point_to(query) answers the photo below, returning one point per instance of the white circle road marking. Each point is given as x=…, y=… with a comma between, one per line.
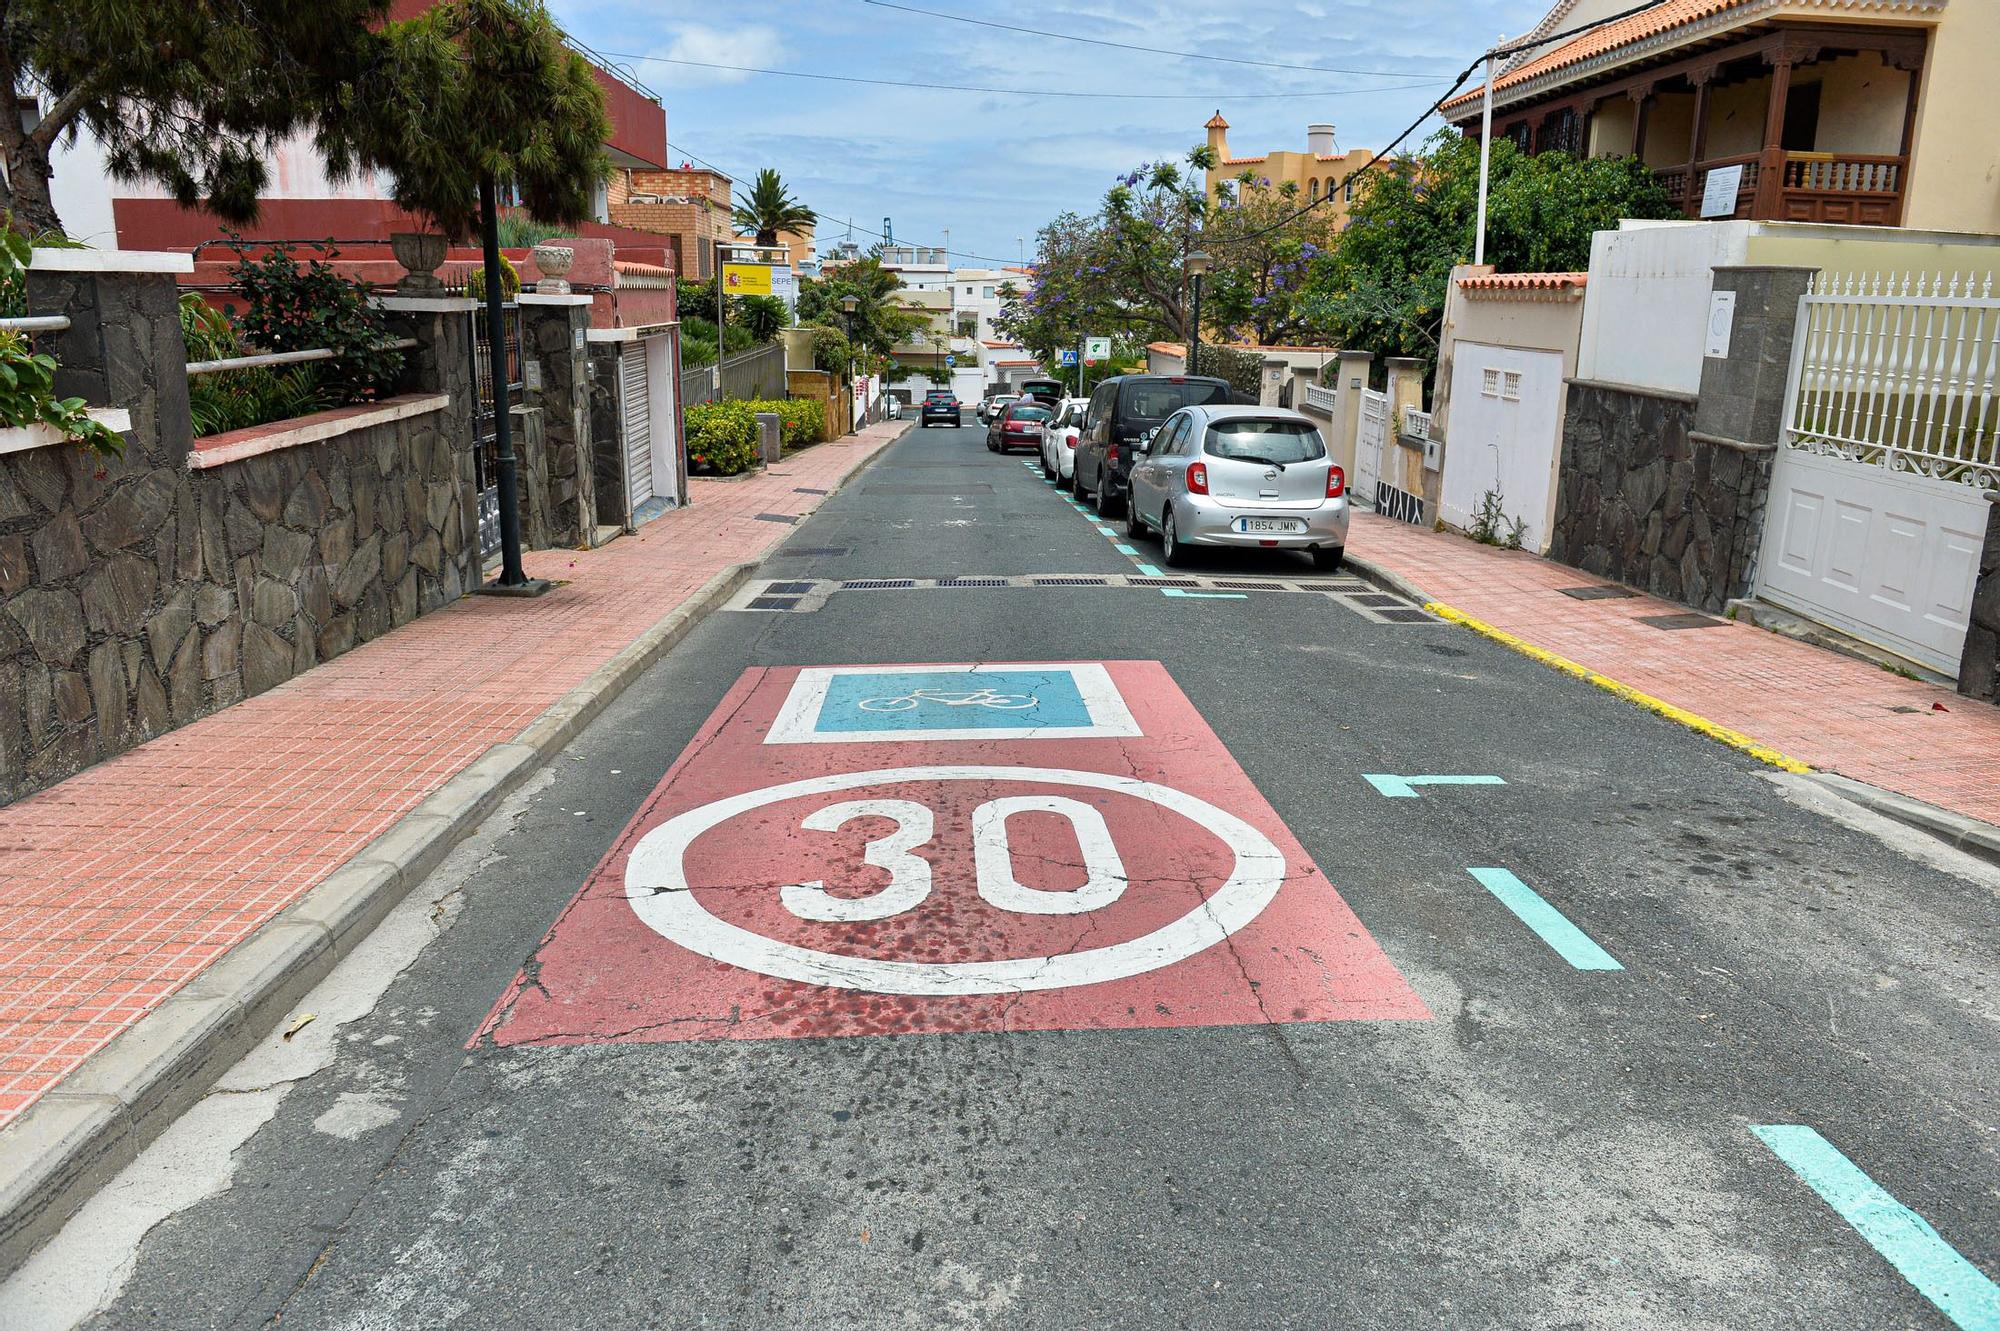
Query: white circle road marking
x=656, y=882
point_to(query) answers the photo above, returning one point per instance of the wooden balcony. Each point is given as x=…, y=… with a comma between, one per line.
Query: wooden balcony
x=1779, y=186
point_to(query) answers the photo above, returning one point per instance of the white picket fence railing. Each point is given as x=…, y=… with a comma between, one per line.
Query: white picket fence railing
x=1416, y=423
x=1320, y=399
x=1902, y=371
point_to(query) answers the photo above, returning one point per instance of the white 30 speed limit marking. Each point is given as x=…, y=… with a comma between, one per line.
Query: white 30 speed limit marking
x=656, y=882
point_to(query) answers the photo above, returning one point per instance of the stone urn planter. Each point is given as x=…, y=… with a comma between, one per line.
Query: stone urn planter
x=420, y=253
x=553, y=261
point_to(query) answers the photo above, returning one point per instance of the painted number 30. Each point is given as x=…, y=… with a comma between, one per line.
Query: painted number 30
x=992, y=858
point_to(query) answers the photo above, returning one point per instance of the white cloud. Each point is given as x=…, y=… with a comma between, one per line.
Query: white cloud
x=753, y=44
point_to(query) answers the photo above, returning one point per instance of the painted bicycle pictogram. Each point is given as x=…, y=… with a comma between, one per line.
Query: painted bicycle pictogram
x=989, y=698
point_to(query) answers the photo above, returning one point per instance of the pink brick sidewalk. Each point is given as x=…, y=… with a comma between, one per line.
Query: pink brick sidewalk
x=120, y=884
x=1839, y=714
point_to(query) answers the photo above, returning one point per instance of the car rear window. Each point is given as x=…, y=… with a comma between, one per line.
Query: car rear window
x=937, y=395
x=1152, y=402
x=1029, y=414
x=1264, y=441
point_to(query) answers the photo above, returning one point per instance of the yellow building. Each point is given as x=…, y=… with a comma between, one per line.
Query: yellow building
x=1318, y=171
x=1875, y=112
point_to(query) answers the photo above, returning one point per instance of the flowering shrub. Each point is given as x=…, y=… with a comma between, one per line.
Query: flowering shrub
x=722, y=436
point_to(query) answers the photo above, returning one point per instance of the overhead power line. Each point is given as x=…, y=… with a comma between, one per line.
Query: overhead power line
x=1019, y=92
x=1150, y=50
x=1456, y=84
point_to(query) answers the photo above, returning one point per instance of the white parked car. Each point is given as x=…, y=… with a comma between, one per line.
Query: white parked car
x=1241, y=476
x=993, y=404
x=1059, y=440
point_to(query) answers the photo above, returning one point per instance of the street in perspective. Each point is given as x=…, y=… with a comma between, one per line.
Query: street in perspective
x=990, y=711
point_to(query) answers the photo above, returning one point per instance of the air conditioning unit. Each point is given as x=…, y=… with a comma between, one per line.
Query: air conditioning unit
x=645, y=198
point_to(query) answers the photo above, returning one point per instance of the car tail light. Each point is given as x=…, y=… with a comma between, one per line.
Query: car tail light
x=1069, y=440
x=1336, y=482
x=1197, y=479
x=1111, y=455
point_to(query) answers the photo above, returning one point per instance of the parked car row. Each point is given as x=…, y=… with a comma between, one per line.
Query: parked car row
x=1182, y=461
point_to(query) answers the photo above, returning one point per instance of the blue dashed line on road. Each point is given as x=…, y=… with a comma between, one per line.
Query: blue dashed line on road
x=1150, y=571
x=1960, y=1290
x=1571, y=943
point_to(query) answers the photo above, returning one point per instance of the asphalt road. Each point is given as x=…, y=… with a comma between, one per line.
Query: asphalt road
x=1548, y=1147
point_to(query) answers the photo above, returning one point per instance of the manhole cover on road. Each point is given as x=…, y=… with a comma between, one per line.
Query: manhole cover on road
x=1381, y=601
x=1408, y=617
x=1597, y=593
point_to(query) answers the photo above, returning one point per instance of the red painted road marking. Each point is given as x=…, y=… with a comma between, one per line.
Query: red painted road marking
x=795, y=875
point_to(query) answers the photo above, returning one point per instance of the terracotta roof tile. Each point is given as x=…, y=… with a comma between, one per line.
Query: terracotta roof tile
x=1666, y=17
x=1525, y=282
x=1216, y=122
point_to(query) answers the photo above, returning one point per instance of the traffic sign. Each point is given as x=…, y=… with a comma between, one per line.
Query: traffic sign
x=1097, y=348
x=950, y=361
x=889, y=850
x=1066, y=357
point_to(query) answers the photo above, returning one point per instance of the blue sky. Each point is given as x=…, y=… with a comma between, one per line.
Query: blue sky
x=994, y=168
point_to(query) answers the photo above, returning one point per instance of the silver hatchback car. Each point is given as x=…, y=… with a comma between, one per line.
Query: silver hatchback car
x=1240, y=476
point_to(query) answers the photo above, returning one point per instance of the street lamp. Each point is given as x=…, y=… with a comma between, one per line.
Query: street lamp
x=1197, y=266
x=847, y=307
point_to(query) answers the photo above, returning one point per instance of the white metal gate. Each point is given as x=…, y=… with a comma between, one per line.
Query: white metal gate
x=1505, y=424
x=1892, y=437
x=1370, y=443
x=661, y=406
x=635, y=393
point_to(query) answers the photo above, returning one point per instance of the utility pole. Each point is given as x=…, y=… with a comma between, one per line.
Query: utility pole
x=1485, y=156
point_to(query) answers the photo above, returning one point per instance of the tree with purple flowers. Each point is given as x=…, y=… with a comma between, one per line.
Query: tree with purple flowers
x=1263, y=250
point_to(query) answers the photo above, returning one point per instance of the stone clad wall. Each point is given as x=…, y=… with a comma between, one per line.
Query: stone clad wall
x=152, y=596
x=1640, y=502
x=1979, y=667
x=137, y=595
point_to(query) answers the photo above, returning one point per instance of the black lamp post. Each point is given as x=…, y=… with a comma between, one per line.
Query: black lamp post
x=513, y=579
x=1197, y=267
x=847, y=307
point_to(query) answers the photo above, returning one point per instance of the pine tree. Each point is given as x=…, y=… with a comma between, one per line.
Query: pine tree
x=190, y=94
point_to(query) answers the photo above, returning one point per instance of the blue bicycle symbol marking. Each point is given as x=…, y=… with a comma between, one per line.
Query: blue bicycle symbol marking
x=987, y=698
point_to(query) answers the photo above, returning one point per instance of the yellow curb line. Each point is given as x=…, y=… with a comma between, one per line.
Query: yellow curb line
x=1735, y=739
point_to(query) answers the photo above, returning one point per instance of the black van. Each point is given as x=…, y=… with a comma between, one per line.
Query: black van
x=1044, y=390
x=1121, y=410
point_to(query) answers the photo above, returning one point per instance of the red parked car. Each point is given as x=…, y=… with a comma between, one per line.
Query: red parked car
x=1019, y=425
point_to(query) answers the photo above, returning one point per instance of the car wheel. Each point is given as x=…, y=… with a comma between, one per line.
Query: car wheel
x=991, y=446
x=1172, y=552
x=1135, y=526
x=1106, y=505
x=1328, y=560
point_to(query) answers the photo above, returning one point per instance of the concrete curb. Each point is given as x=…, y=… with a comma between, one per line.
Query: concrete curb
x=1388, y=581
x=1980, y=840
x=97, y=1119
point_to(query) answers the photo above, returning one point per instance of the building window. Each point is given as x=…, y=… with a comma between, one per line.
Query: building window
x=1512, y=391
x=1489, y=383
x=987, y=292
x=1312, y=188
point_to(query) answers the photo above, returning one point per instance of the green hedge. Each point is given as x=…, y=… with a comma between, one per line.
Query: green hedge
x=722, y=436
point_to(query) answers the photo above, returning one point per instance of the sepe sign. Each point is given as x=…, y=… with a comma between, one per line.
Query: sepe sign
x=746, y=279
x=891, y=850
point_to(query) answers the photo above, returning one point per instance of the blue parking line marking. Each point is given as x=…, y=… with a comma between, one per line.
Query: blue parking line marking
x=1204, y=596
x=1123, y=549
x=1933, y=1267
x=1150, y=571
x=1570, y=943
x=1404, y=787
x=1104, y=531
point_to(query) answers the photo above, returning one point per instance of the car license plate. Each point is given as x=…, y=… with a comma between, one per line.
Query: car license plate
x=1285, y=526
x=1032, y=431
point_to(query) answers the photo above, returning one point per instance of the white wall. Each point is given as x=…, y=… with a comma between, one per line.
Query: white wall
x=1645, y=311
x=81, y=191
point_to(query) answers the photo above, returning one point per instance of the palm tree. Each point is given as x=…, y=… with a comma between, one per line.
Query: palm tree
x=770, y=208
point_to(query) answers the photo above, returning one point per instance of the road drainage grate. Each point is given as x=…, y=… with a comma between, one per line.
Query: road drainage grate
x=1381, y=601
x=1163, y=582
x=774, y=602
x=1407, y=616
x=1069, y=582
x=1597, y=593
x=785, y=518
x=789, y=588
x=973, y=582
x=877, y=584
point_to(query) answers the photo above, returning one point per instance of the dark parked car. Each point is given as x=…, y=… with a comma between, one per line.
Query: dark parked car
x=941, y=405
x=1019, y=425
x=1122, y=410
